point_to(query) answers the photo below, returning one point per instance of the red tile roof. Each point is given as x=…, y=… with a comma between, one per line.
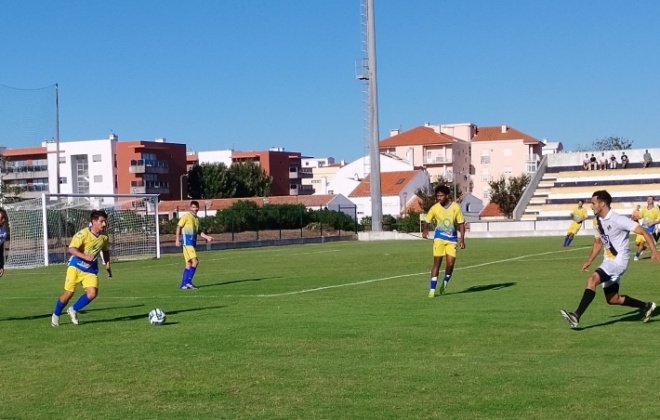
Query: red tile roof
x=309, y=201
x=391, y=183
x=491, y=210
x=416, y=136
x=495, y=134
x=25, y=151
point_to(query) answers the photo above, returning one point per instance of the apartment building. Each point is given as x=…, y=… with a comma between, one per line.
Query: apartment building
x=104, y=166
x=284, y=167
x=445, y=156
x=502, y=151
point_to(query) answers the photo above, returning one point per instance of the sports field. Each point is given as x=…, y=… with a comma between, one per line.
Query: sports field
x=335, y=331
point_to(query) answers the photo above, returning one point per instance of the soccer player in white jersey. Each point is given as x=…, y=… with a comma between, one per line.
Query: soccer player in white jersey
x=613, y=238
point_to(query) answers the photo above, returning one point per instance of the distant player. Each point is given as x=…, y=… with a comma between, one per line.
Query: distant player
x=186, y=234
x=448, y=218
x=579, y=215
x=650, y=217
x=4, y=239
x=85, y=248
x=613, y=238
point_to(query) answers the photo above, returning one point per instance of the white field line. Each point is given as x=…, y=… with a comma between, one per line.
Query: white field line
x=196, y=295
x=357, y=283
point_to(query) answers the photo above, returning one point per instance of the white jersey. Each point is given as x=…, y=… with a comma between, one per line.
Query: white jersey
x=614, y=232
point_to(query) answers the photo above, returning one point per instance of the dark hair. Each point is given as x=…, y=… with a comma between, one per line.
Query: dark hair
x=443, y=189
x=96, y=214
x=581, y=201
x=4, y=214
x=194, y=203
x=604, y=196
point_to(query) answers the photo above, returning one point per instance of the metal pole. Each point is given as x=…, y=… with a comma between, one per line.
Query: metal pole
x=57, y=139
x=181, y=186
x=374, y=152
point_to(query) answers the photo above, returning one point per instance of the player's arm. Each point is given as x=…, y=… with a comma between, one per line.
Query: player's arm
x=177, y=235
x=655, y=255
x=106, y=257
x=78, y=253
x=205, y=236
x=461, y=240
x=596, y=248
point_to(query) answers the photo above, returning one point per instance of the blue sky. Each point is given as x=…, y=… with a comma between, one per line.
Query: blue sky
x=255, y=74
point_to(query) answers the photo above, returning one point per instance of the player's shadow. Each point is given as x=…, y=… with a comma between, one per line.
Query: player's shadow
x=225, y=283
x=487, y=287
x=141, y=315
x=48, y=315
x=632, y=316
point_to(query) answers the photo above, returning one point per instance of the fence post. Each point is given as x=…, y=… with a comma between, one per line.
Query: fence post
x=321, y=221
x=257, y=220
x=301, y=226
x=340, y=220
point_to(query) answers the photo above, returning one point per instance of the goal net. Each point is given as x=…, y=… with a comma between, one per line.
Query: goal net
x=41, y=229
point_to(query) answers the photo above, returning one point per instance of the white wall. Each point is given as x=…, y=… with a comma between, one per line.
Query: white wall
x=215, y=156
x=349, y=176
x=101, y=174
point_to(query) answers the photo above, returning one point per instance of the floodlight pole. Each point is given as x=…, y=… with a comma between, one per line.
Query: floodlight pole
x=57, y=138
x=374, y=152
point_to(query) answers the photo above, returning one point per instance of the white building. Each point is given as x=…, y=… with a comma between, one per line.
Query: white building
x=349, y=176
x=85, y=167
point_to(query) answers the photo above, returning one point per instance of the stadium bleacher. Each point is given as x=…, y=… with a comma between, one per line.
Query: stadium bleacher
x=558, y=191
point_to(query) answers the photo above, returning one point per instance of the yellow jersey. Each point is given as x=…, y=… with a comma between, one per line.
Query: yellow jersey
x=649, y=215
x=446, y=221
x=189, y=229
x=89, y=244
x=579, y=214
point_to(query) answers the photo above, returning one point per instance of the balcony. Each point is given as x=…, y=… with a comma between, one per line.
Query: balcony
x=437, y=160
x=24, y=172
x=150, y=187
x=142, y=166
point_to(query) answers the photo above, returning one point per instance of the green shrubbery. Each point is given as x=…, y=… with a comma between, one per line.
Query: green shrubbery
x=248, y=216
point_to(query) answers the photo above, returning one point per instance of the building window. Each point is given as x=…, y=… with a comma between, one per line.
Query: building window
x=98, y=178
x=96, y=158
x=62, y=159
x=486, y=195
x=62, y=180
x=485, y=159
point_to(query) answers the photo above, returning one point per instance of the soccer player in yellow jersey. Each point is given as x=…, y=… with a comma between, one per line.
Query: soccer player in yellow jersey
x=650, y=217
x=186, y=236
x=579, y=215
x=85, y=248
x=448, y=218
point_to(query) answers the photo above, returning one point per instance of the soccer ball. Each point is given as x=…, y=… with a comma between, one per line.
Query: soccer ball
x=156, y=316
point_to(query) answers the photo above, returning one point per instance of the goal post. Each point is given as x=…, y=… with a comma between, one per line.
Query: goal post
x=41, y=229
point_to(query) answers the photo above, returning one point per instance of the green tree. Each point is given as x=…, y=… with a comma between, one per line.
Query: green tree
x=249, y=179
x=507, y=192
x=216, y=180
x=608, y=143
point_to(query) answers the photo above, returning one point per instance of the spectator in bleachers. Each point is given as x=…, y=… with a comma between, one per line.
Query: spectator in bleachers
x=613, y=162
x=624, y=160
x=647, y=159
x=593, y=165
x=602, y=163
x=586, y=163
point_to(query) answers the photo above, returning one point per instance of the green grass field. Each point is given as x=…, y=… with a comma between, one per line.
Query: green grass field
x=334, y=331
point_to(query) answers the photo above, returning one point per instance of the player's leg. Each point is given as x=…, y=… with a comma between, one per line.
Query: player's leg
x=191, y=272
x=438, y=253
x=641, y=245
x=67, y=294
x=187, y=256
x=614, y=298
x=90, y=283
x=573, y=318
x=450, y=252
